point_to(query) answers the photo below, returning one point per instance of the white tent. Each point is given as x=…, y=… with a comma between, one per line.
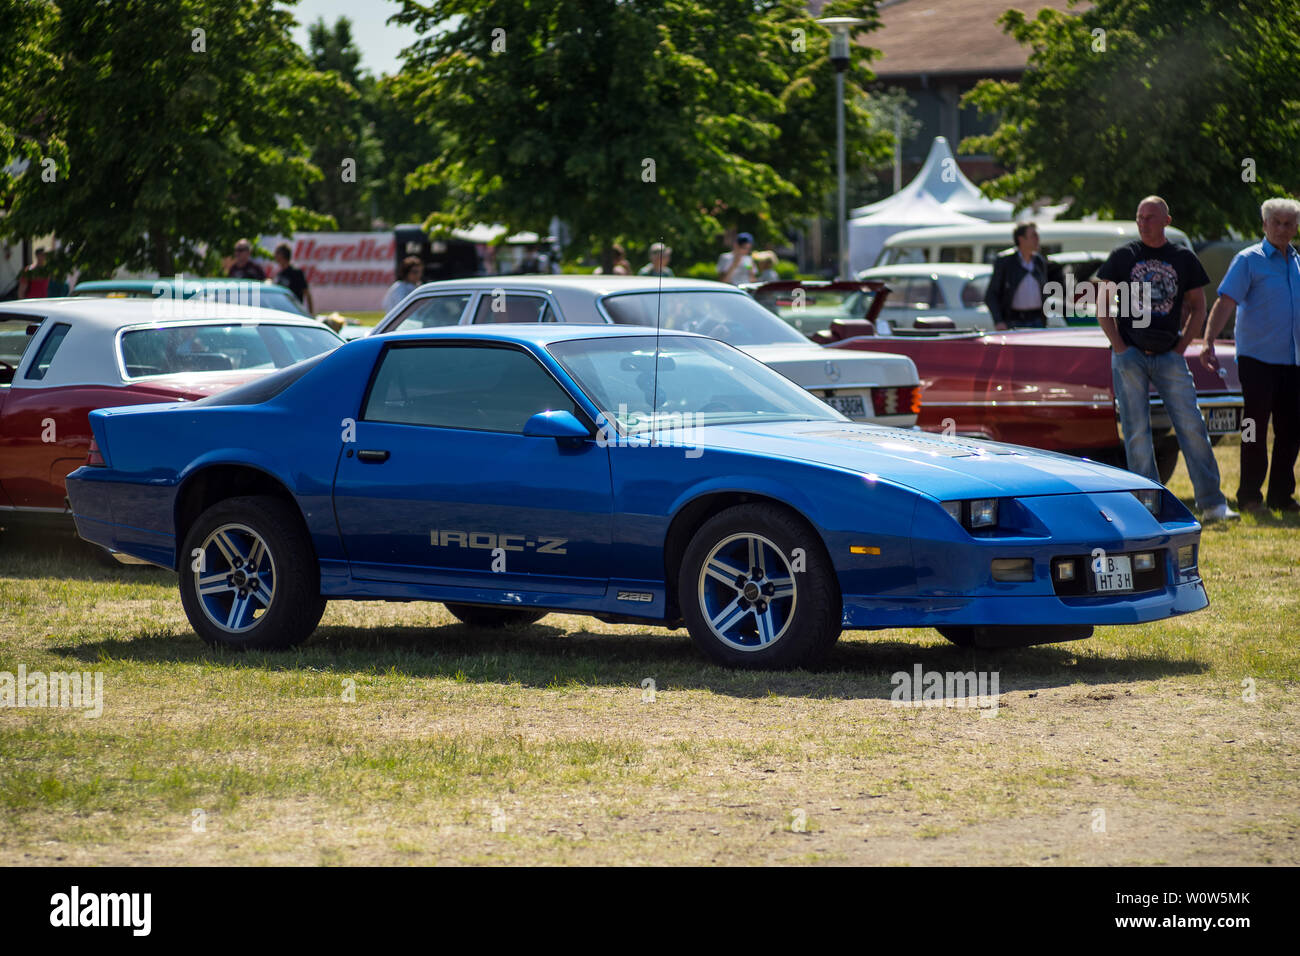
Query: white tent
x=942, y=180
x=867, y=234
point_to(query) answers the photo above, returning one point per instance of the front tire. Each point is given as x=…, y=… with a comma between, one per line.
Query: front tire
x=493, y=617
x=257, y=586
x=757, y=590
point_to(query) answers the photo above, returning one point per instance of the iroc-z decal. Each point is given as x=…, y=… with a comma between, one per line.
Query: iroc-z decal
x=490, y=541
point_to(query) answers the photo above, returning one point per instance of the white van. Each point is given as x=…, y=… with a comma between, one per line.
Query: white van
x=983, y=243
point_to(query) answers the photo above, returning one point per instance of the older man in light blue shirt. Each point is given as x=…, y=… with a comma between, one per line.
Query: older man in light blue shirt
x=1263, y=287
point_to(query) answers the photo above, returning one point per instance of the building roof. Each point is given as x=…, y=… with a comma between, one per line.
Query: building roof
x=950, y=36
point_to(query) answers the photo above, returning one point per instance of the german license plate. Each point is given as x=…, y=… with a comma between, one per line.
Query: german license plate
x=1221, y=421
x=850, y=405
x=1113, y=573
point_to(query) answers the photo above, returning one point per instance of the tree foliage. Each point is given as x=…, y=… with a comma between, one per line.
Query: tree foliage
x=629, y=119
x=171, y=138
x=1195, y=101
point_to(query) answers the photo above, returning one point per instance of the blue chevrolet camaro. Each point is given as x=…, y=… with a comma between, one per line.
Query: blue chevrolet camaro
x=508, y=471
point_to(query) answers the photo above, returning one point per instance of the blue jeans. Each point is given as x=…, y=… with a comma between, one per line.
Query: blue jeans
x=1133, y=373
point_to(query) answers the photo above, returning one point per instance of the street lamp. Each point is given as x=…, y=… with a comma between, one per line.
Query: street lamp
x=840, y=27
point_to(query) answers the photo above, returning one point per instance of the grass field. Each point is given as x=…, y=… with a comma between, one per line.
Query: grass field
x=399, y=736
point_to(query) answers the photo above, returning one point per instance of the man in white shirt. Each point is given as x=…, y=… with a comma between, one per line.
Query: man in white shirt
x=737, y=266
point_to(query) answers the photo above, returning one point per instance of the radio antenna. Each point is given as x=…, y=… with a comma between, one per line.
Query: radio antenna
x=654, y=393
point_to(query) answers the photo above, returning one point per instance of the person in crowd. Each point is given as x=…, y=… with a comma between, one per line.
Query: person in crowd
x=243, y=267
x=1015, y=291
x=765, y=267
x=621, y=265
x=1161, y=309
x=34, y=283
x=291, y=277
x=409, y=274
x=1262, y=286
x=737, y=266
x=658, y=264
x=531, y=263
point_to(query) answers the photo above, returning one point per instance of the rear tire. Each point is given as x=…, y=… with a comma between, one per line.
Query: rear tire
x=744, y=603
x=493, y=617
x=259, y=583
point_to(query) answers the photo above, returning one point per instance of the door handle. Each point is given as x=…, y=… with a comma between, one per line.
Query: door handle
x=375, y=455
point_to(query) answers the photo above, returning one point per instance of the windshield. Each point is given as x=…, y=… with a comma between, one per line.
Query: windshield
x=733, y=317
x=700, y=382
x=217, y=347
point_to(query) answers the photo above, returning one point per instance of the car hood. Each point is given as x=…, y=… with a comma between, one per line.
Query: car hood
x=944, y=467
x=815, y=367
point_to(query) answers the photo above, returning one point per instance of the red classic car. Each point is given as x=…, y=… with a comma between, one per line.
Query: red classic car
x=61, y=358
x=1047, y=388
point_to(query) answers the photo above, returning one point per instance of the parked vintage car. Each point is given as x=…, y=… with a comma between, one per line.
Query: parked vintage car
x=882, y=390
x=61, y=358
x=661, y=478
x=1047, y=388
x=917, y=294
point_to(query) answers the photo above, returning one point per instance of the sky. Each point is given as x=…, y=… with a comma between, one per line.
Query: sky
x=379, y=42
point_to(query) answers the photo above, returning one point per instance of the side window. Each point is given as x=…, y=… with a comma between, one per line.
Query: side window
x=454, y=386
x=956, y=254
x=972, y=293
x=915, y=293
x=495, y=306
x=14, y=341
x=41, y=361
x=432, y=311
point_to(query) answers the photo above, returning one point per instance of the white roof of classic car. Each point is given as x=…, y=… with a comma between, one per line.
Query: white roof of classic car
x=88, y=354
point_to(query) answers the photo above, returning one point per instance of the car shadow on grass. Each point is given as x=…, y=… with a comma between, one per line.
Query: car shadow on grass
x=547, y=656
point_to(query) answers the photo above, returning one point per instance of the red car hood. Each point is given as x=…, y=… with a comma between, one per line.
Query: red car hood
x=191, y=386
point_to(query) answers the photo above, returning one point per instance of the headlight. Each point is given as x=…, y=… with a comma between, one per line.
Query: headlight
x=1150, y=498
x=979, y=513
x=983, y=512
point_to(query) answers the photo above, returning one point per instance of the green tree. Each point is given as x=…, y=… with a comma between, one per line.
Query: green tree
x=343, y=145
x=27, y=137
x=1195, y=101
x=183, y=127
x=636, y=119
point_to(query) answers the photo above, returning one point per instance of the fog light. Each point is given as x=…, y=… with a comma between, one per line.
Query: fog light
x=983, y=512
x=1065, y=570
x=1144, y=562
x=1150, y=498
x=1013, y=569
x=1186, y=557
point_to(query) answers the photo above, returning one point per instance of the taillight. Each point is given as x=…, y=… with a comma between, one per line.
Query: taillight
x=93, y=457
x=896, y=401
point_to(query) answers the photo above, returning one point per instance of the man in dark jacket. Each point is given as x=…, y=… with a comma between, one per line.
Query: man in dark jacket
x=1015, y=292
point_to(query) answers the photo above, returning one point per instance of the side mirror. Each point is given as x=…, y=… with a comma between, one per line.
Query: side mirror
x=555, y=424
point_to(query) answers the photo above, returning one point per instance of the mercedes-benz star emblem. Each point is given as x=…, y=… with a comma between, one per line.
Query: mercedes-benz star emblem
x=832, y=371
